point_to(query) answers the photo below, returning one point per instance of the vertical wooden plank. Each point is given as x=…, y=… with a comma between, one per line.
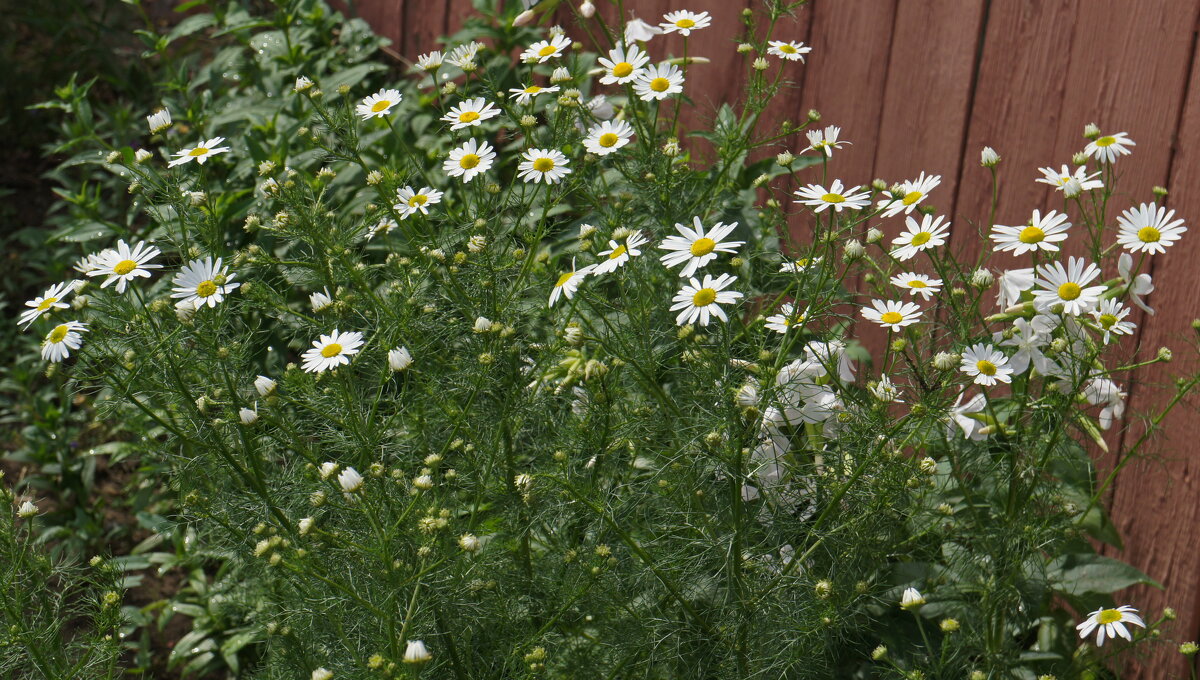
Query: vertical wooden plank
x=424, y=23
x=387, y=18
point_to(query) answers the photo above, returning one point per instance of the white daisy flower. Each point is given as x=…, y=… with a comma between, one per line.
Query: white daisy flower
x=1110, y=623
x=791, y=50
x=469, y=160
x=824, y=140
x=158, y=121
x=464, y=54
x=960, y=415
x=1042, y=233
x=930, y=233
x=699, y=301
x=684, y=22
x=918, y=284
x=122, y=264
x=1028, y=338
x=1099, y=391
x=892, y=314
x=524, y=95
x=986, y=364
x=331, y=351
x=1137, y=286
x=1013, y=282
x=90, y=262
x=800, y=265
x=430, y=61
x=885, y=390
x=623, y=64
x=637, y=30
x=696, y=247
x=607, y=137
x=1067, y=286
x=350, y=480
x=320, y=300
x=658, y=82
x=543, y=165
x=832, y=355
x=47, y=302
x=264, y=385
x=569, y=282
x=618, y=254
x=302, y=84
x=788, y=316
x=911, y=598
x=379, y=104
x=912, y=192
x=470, y=112
x=203, y=282
x=410, y=202
x=1107, y=148
x=61, y=340
x=1111, y=318
x=382, y=228
x=199, y=153
x=837, y=197
x=543, y=50
x=1148, y=229
x=416, y=652
x=399, y=359
x=1079, y=180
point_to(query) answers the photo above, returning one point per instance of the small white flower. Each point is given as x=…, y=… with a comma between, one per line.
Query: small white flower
x=423, y=482
x=306, y=525
x=383, y=227
x=430, y=61
x=791, y=50
x=1061, y=178
x=618, y=254
x=701, y=300
x=1067, y=286
x=1110, y=623
x=248, y=416
x=1013, y=282
x=469, y=113
x=1028, y=338
x=637, y=30
x=832, y=356
x=350, y=480
x=912, y=193
x=658, y=82
x=988, y=157
x=199, y=153
x=379, y=104
x=410, y=202
x=399, y=359
x=303, y=83
x=986, y=365
x=623, y=64
x=198, y=283
x=331, y=351
x=264, y=385
x=27, y=510
x=1137, y=286
x=482, y=324
x=47, y=302
x=159, y=120
x=607, y=137
x=1042, y=233
x=124, y=264
x=543, y=165
x=1148, y=229
x=960, y=415
x=142, y=155
x=328, y=469
x=930, y=233
x=320, y=300
x=800, y=265
x=695, y=248
x=892, y=314
x=918, y=284
x=836, y=196
x=416, y=652
x=469, y=542
x=912, y=599
x=469, y=160
x=464, y=54
x=61, y=340
x=824, y=140
x=1111, y=318
x=543, y=50
x=885, y=390
x=524, y=95
x=587, y=9
x=1104, y=391
x=684, y=22
x=569, y=282
x=1107, y=148
x=322, y=674
x=787, y=318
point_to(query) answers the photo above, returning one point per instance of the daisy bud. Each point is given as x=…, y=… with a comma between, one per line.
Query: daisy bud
x=482, y=325
x=1169, y=614
x=977, y=675
x=328, y=469
x=303, y=84
x=523, y=482
x=560, y=75
x=416, y=652
x=874, y=235
x=305, y=525
x=317, y=499
x=248, y=416
x=853, y=250
x=823, y=589
x=982, y=279
x=26, y=510
x=322, y=674
x=671, y=148
x=399, y=359
x=555, y=31
x=524, y=17
x=944, y=361
x=587, y=10
x=374, y=177
x=326, y=174
x=477, y=243
x=573, y=335
x=745, y=48
x=1189, y=649
x=423, y=482
x=1159, y=191
x=879, y=652
x=1091, y=131
x=350, y=480
x=158, y=121
x=949, y=626
x=1165, y=354
x=988, y=158
x=320, y=300
x=785, y=159
x=927, y=465
x=814, y=115
x=1080, y=158
x=449, y=88
x=142, y=155
x=468, y=542
x=760, y=64
x=912, y=599
x=945, y=509
x=264, y=385
x=343, y=90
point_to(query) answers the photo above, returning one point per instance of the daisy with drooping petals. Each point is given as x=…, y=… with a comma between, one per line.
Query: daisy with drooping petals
x=1078, y=181
x=623, y=64
x=199, y=153
x=837, y=197
x=543, y=50
x=382, y=228
x=203, y=282
x=61, y=340
x=684, y=22
x=158, y=121
x=637, y=30
x=430, y=61
x=960, y=415
x=607, y=137
x=1111, y=318
x=788, y=316
x=911, y=193
x=543, y=165
x=1012, y=283
x=1028, y=338
x=331, y=351
x=618, y=254
x=799, y=265
x=379, y=104
x=409, y=202
x=986, y=364
x=1148, y=229
x=122, y=264
x=1110, y=623
x=470, y=112
x=47, y=302
x=824, y=140
x=569, y=282
x=1042, y=233
x=699, y=301
x=1102, y=391
x=892, y=314
x=791, y=50
x=918, y=284
x=524, y=95
x=658, y=82
x=1107, y=148
x=930, y=233
x=469, y=160
x=696, y=247
x=885, y=390
x=1067, y=286
x=1137, y=285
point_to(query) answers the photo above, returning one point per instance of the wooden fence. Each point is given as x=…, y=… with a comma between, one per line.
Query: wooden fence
x=924, y=85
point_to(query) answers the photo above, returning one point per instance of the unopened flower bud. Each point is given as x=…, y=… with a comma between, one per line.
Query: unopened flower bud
x=785, y=159
x=1080, y=158
x=1091, y=131
x=988, y=158
x=759, y=64
x=745, y=48
x=982, y=278
x=853, y=250
x=874, y=235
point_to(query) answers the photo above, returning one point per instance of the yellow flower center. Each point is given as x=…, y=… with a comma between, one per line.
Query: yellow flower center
x=985, y=367
x=380, y=105
x=418, y=199
x=802, y=262
x=891, y=317
x=533, y=89
x=468, y=116
x=1149, y=235
x=685, y=23
x=198, y=151
x=205, y=289
x=124, y=267
x=562, y=280
x=911, y=197
x=617, y=252
x=547, y=51
x=468, y=161
x=1031, y=235
x=608, y=139
x=543, y=164
x=917, y=283
x=56, y=336
x=1069, y=291
x=787, y=49
x=1107, y=320
x=921, y=238
x=1109, y=616
x=46, y=304
x=660, y=84
x=622, y=69
x=1103, y=142
x=833, y=198
x=703, y=246
x=704, y=297
x=331, y=350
